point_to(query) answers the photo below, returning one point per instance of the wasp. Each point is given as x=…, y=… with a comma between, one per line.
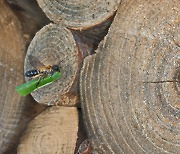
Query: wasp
x=41, y=70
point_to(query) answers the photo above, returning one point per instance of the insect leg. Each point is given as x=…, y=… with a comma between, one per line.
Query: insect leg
x=51, y=73
x=40, y=78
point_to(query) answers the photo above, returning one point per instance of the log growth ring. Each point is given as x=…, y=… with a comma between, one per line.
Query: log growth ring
x=54, y=45
x=11, y=53
x=130, y=88
x=52, y=131
x=79, y=14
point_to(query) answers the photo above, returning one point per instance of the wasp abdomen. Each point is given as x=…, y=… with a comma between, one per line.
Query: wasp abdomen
x=32, y=73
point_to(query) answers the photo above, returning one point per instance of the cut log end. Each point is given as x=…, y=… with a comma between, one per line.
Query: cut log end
x=79, y=14
x=130, y=87
x=53, y=131
x=55, y=45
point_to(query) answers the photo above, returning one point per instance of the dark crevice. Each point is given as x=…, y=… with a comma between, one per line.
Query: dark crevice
x=161, y=81
x=88, y=40
x=82, y=135
x=31, y=17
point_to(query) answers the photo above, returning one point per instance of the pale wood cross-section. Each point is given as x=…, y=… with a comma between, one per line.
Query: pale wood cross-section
x=53, y=131
x=89, y=20
x=130, y=87
x=55, y=45
x=79, y=14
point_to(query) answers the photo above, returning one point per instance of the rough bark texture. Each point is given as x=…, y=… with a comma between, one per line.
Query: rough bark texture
x=55, y=45
x=130, y=87
x=53, y=131
x=14, y=110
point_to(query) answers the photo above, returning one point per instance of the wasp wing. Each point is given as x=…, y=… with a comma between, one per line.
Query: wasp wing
x=35, y=62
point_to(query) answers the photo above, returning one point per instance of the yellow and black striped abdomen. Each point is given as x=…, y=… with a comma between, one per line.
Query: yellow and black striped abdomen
x=47, y=70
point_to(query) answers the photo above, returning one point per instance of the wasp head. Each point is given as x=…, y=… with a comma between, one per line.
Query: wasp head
x=56, y=68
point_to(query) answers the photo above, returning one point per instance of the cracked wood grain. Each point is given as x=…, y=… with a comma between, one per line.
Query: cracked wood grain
x=123, y=111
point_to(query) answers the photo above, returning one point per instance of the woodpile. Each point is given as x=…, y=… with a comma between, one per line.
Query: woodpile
x=120, y=66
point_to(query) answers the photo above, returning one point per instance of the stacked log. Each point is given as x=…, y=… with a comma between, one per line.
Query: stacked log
x=65, y=42
x=52, y=131
x=130, y=87
x=14, y=110
x=55, y=45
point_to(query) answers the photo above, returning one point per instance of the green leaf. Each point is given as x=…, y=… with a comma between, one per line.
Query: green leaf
x=30, y=86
